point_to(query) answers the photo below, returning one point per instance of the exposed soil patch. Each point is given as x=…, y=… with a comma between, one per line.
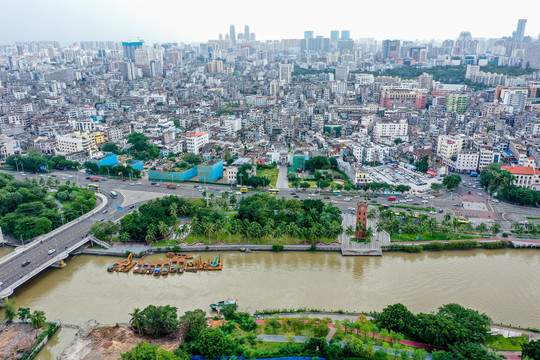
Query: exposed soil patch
x=96, y=342
x=17, y=340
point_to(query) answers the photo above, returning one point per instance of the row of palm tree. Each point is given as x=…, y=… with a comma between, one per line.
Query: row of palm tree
x=254, y=230
x=422, y=223
x=528, y=227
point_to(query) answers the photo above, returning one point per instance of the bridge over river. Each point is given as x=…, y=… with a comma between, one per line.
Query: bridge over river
x=63, y=240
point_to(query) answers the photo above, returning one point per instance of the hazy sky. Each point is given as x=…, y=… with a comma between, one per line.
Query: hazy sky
x=200, y=20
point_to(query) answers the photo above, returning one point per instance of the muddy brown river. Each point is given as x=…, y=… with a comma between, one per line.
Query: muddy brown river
x=502, y=283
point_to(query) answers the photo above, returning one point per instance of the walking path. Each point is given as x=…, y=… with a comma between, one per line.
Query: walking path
x=376, y=336
x=282, y=182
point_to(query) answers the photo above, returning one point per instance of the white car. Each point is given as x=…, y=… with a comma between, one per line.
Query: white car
x=432, y=213
x=132, y=184
x=139, y=183
x=425, y=201
x=237, y=193
x=52, y=251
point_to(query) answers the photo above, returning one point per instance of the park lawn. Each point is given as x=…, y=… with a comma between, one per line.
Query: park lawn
x=271, y=174
x=312, y=183
x=435, y=236
x=168, y=242
x=236, y=239
x=506, y=344
x=532, y=217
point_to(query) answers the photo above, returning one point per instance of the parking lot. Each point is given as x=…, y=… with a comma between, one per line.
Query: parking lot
x=399, y=175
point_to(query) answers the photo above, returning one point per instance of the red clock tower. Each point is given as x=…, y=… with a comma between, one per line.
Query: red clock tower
x=361, y=218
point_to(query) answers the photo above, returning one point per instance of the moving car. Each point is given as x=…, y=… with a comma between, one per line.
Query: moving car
x=25, y=263
x=52, y=251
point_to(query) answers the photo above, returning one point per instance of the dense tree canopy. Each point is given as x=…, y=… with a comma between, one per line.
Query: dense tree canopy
x=395, y=317
x=155, y=321
x=499, y=183
x=111, y=148
x=140, y=149
x=26, y=211
x=532, y=350
x=318, y=163
x=150, y=215
x=452, y=181
x=40, y=163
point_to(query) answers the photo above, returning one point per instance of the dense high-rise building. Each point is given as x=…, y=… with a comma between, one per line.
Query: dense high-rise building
x=127, y=69
x=342, y=72
x=156, y=67
x=129, y=48
x=246, y=33
x=308, y=35
x=345, y=35
x=532, y=55
x=334, y=34
x=425, y=81
x=232, y=34
x=520, y=31
x=390, y=49
x=285, y=73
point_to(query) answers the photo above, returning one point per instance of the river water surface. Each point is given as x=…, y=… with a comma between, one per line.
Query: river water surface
x=505, y=284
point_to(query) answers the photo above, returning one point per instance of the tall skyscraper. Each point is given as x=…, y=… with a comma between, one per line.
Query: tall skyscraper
x=390, y=49
x=246, y=33
x=232, y=33
x=285, y=73
x=308, y=35
x=334, y=34
x=127, y=69
x=129, y=48
x=345, y=34
x=520, y=32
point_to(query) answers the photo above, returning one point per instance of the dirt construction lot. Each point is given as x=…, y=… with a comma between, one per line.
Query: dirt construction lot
x=95, y=342
x=17, y=340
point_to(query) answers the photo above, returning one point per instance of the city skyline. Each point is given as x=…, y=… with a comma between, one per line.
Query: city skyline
x=168, y=21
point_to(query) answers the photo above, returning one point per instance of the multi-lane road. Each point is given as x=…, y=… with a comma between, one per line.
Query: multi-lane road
x=37, y=252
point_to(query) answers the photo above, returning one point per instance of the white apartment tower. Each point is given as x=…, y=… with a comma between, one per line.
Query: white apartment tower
x=196, y=141
x=285, y=73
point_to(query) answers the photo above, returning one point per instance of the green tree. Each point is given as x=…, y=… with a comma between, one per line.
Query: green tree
x=10, y=311
x=145, y=351
x=317, y=163
x=395, y=317
x=452, y=181
x=191, y=324
x=192, y=159
x=211, y=343
x=531, y=349
x=155, y=321
x=436, y=186
x=38, y=319
x=111, y=148
x=422, y=165
x=24, y=314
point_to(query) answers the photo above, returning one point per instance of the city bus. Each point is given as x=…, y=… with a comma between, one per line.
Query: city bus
x=273, y=191
x=93, y=187
x=244, y=190
x=464, y=222
x=336, y=192
x=114, y=195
